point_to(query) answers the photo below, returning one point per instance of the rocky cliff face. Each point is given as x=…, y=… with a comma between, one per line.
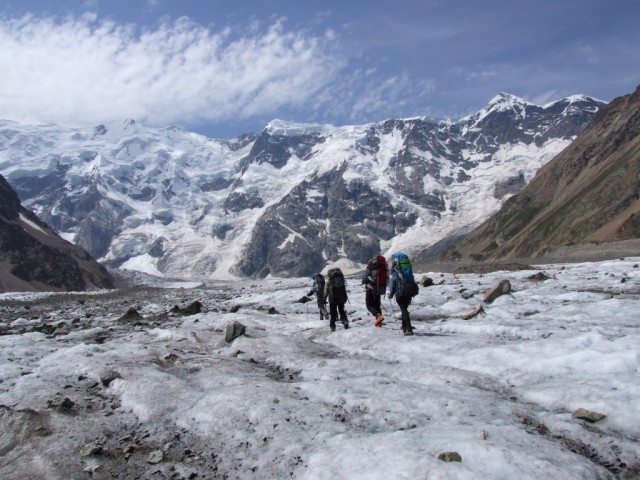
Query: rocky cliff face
x=589, y=193
x=287, y=201
x=34, y=257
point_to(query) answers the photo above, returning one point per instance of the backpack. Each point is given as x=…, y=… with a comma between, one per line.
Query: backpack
x=407, y=286
x=318, y=280
x=337, y=286
x=378, y=272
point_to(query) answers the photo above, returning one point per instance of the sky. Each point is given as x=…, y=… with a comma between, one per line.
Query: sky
x=226, y=67
x=290, y=399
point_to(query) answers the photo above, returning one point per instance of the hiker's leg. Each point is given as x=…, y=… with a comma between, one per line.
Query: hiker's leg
x=343, y=312
x=371, y=303
x=403, y=303
x=333, y=309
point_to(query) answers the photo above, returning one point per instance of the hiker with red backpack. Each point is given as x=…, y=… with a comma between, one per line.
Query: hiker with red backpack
x=403, y=286
x=335, y=290
x=374, y=279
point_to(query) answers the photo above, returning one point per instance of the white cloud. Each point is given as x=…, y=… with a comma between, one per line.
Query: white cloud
x=83, y=70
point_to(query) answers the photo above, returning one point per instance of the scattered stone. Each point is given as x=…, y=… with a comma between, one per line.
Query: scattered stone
x=64, y=406
x=155, y=457
x=538, y=277
x=235, y=309
x=503, y=288
x=92, y=468
x=233, y=331
x=92, y=448
x=131, y=315
x=61, y=329
x=273, y=311
x=192, y=308
x=466, y=294
x=130, y=448
x=473, y=312
x=482, y=434
x=108, y=377
x=450, y=457
x=426, y=281
x=588, y=415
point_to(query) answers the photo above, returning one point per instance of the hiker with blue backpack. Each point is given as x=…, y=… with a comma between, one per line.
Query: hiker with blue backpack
x=403, y=286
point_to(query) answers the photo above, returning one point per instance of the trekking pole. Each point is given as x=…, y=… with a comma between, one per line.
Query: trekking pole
x=392, y=312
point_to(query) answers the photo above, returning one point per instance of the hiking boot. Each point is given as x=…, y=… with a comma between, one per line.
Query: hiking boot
x=345, y=324
x=379, y=319
x=333, y=329
x=408, y=332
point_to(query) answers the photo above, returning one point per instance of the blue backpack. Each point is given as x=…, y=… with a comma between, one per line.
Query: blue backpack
x=407, y=286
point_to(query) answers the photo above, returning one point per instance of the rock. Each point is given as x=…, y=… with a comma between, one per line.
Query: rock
x=92, y=448
x=91, y=469
x=538, y=277
x=131, y=315
x=426, y=281
x=235, y=308
x=473, y=312
x=304, y=299
x=273, y=311
x=130, y=448
x=192, y=309
x=108, y=377
x=482, y=434
x=233, y=331
x=588, y=415
x=64, y=406
x=450, y=457
x=155, y=457
x=503, y=288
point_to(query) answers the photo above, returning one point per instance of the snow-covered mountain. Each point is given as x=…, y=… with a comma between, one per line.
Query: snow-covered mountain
x=287, y=201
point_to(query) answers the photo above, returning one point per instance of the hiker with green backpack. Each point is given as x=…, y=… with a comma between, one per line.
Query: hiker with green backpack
x=403, y=286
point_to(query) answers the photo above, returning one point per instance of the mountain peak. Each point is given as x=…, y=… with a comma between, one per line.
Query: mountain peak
x=505, y=100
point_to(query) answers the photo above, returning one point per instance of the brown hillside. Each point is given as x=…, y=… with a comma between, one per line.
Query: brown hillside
x=589, y=193
x=34, y=258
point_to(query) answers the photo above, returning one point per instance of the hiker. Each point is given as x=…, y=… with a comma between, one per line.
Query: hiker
x=403, y=286
x=317, y=289
x=374, y=279
x=335, y=290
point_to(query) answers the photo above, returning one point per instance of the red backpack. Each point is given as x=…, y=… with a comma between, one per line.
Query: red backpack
x=378, y=268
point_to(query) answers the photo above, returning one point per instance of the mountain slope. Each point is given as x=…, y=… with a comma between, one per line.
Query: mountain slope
x=589, y=193
x=287, y=201
x=34, y=257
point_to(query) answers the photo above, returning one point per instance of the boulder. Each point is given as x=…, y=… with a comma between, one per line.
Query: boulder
x=503, y=288
x=233, y=331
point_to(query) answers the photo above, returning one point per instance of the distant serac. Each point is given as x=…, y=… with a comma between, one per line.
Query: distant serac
x=289, y=200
